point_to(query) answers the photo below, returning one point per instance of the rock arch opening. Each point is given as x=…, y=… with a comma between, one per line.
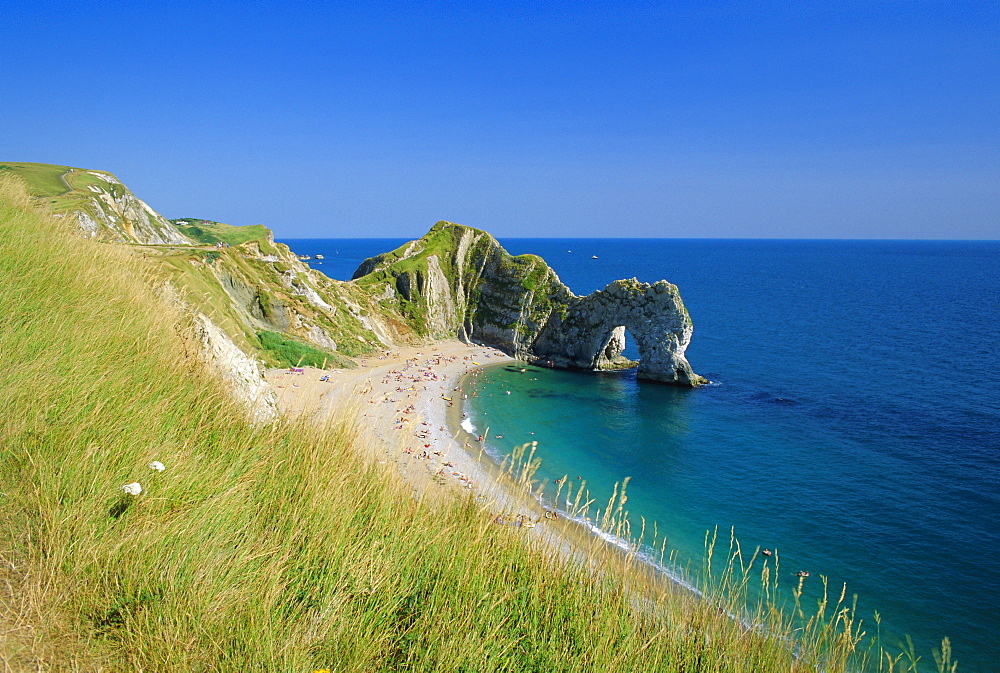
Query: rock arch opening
x=619, y=350
x=590, y=332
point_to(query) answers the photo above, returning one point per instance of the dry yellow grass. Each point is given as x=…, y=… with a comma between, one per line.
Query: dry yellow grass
x=273, y=548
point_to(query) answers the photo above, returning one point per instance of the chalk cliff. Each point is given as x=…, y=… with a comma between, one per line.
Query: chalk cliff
x=459, y=281
x=455, y=281
x=97, y=201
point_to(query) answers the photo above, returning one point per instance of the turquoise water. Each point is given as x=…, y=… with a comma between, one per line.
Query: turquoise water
x=853, y=424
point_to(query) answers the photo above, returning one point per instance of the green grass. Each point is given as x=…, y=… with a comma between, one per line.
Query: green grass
x=207, y=232
x=285, y=547
x=62, y=188
x=42, y=180
x=291, y=353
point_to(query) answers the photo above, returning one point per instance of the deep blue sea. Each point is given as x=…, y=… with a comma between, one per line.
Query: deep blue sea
x=853, y=424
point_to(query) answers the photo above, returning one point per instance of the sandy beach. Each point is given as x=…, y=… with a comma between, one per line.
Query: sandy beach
x=406, y=404
x=404, y=400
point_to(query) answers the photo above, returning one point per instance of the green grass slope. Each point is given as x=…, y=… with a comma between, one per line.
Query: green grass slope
x=103, y=206
x=274, y=548
x=203, y=277
x=207, y=232
x=60, y=188
x=41, y=179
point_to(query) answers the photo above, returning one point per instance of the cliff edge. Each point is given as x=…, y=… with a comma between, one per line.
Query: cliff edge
x=101, y=205
x=454, y=282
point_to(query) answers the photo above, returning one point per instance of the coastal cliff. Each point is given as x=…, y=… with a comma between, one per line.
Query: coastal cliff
x=149, y=524
x=454, y=282
x=257, y=291
x=459, y=281
x=99, y=204
x=270, y=302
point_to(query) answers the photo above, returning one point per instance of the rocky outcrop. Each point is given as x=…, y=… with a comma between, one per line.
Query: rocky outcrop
x=111, y=212
x=459, y=281
x=590, y=333
x=271, y=289
x=97, y=202
x=455, y=281
x=241, y=372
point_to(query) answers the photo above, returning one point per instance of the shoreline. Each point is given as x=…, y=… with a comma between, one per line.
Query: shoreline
x=410, y=390
x=402, y=399
x=407, y=402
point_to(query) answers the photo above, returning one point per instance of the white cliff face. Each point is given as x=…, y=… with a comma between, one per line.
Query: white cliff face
x=610, y=357
x=115, y=213
x=441, y=320
x=242, y=374
x=88, y=226
x=302, y=288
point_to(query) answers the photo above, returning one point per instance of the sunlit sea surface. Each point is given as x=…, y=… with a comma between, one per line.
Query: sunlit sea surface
x=853, y=423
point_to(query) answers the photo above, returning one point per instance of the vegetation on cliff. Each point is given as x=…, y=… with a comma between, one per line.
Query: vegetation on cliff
x=454, y=282
x=460, y=280
x=102, y=206
x=237, y=546
x=457, y=280
x=257, y=291
x=209, y=232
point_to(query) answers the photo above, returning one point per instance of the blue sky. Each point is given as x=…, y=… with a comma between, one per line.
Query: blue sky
x=604, y=119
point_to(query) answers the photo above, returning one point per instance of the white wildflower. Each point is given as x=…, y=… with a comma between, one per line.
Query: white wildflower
x=132, y=489
x=157, y=465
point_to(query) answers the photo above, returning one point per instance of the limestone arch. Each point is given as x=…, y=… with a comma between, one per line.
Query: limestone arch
x=611, y=355
x=589, y=335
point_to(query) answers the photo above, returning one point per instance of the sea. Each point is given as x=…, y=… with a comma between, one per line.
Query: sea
x=852, y=423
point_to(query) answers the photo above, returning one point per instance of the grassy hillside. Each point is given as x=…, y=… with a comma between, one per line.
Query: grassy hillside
x=276, y=548
x=97, y=201
x=207, y=232
x=243, y=295
x=41, y=179
x=60, y=188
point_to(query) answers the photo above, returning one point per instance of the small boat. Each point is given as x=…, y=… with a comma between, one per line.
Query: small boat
x=318, y=256
x=593, y=256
